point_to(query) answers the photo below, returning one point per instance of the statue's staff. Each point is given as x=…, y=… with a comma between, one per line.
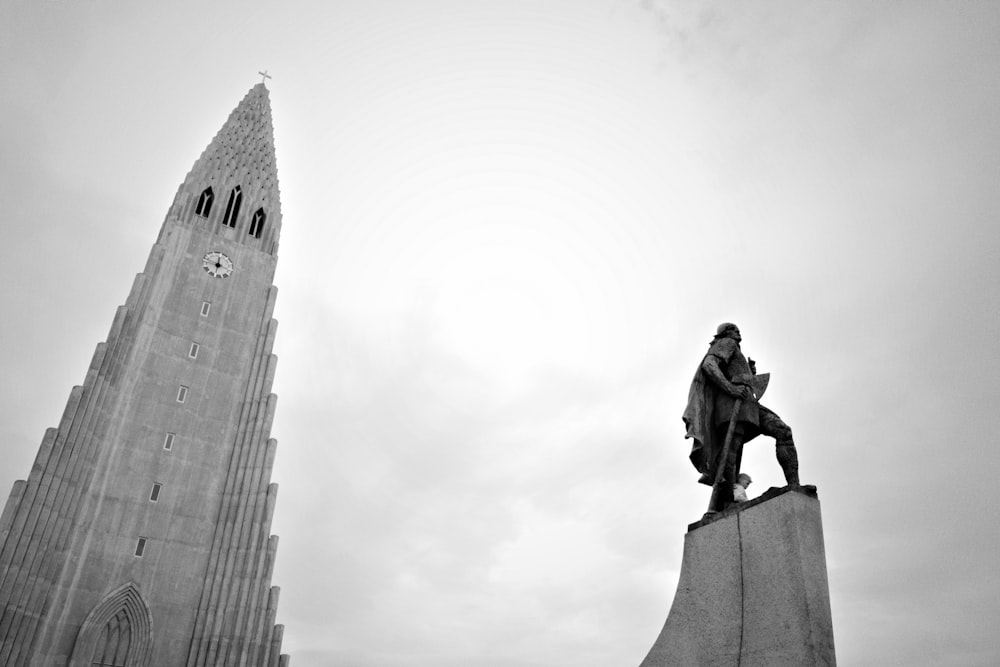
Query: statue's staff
x=757, y=385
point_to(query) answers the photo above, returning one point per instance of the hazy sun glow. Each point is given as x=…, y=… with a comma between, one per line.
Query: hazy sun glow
x=509, y=308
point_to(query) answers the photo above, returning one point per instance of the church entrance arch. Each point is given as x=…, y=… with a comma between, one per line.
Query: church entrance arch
x=118, y=632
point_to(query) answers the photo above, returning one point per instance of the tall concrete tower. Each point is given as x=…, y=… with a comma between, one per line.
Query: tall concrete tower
x=141, y=536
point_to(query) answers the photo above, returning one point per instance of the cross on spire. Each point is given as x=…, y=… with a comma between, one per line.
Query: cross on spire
x=265, y=75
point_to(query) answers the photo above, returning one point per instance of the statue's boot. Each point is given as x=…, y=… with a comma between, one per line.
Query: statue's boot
x=788, y=459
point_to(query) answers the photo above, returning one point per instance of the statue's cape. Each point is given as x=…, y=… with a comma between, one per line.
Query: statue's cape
x=699, y=417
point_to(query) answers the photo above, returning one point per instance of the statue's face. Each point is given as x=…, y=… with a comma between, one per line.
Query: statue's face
x=734, y=333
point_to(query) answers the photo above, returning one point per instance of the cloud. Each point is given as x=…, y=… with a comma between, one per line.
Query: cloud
x=509, y=233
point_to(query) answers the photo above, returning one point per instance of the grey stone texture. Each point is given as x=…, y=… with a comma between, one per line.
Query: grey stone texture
x=753, y=588
x=72, y=589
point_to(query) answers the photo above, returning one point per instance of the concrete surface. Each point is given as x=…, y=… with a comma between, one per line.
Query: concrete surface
x=753, y=588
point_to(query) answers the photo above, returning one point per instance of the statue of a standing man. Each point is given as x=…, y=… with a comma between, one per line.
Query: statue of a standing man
x=721, y=384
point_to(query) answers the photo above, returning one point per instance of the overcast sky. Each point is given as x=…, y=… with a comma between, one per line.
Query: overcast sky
x=510, y=230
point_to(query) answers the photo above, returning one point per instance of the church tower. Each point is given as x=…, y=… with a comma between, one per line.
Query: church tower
x=141, y=537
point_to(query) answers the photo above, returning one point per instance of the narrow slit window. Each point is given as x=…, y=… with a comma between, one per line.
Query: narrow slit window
x=154, y=493
x=140, y=547
x=257, y=223
x=205, y=307
x=233, y=207
x=193, y=352
x=205, y=203
x=182, y=393
x=168, y=442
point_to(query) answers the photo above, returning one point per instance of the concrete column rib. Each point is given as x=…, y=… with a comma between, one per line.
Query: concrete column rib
x=266, y=630
x=20, y=516
x=22, y=489
x=276, y=638
x=60, y=503
x=209, y=627
x=233, y=548
x=42, y=458
x=10, y=509
x=254, y=497
x=247, y=600
x=258, y=578
x=20, y=566
x=56, y=500
x=78, y=432
x=265, y=625
x=16, y=557
x=84, y=442
x=25, y=521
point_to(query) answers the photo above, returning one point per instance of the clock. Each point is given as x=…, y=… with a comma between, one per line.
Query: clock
x=217, y=265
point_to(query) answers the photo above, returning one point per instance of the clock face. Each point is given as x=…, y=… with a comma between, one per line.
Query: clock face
x=217, y=265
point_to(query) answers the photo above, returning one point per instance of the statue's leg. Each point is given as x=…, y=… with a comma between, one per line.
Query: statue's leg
x=733, y=462
x=733, y=465
x=739, y=461
x=724, y=494
x=788, y=458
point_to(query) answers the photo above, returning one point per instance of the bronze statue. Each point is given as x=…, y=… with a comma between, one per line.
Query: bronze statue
x=723, y=414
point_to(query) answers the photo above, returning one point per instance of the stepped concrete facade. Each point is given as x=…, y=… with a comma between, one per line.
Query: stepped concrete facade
x=141, y=536
x=753, y=588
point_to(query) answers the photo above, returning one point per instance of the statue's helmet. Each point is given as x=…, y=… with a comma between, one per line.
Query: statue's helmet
x=722, y=328
x=745, y=476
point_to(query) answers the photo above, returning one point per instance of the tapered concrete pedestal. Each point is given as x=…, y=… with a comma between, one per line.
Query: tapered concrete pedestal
x=753, y=588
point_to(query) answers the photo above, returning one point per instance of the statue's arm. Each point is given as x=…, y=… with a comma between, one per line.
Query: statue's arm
x=711, y=367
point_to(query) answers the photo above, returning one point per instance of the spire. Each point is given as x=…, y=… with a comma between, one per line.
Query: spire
x=241, y=155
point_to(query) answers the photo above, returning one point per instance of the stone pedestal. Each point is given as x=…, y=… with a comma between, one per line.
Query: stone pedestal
x=753, y=588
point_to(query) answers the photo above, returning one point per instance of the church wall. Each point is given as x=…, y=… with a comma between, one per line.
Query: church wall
x=68, y=535
x=181, y=524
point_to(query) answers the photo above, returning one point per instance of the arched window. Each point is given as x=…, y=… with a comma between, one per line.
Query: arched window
x=233, y=207
x=114, y=642
x=117, y=632
x=205, y=202
x=257, y=224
